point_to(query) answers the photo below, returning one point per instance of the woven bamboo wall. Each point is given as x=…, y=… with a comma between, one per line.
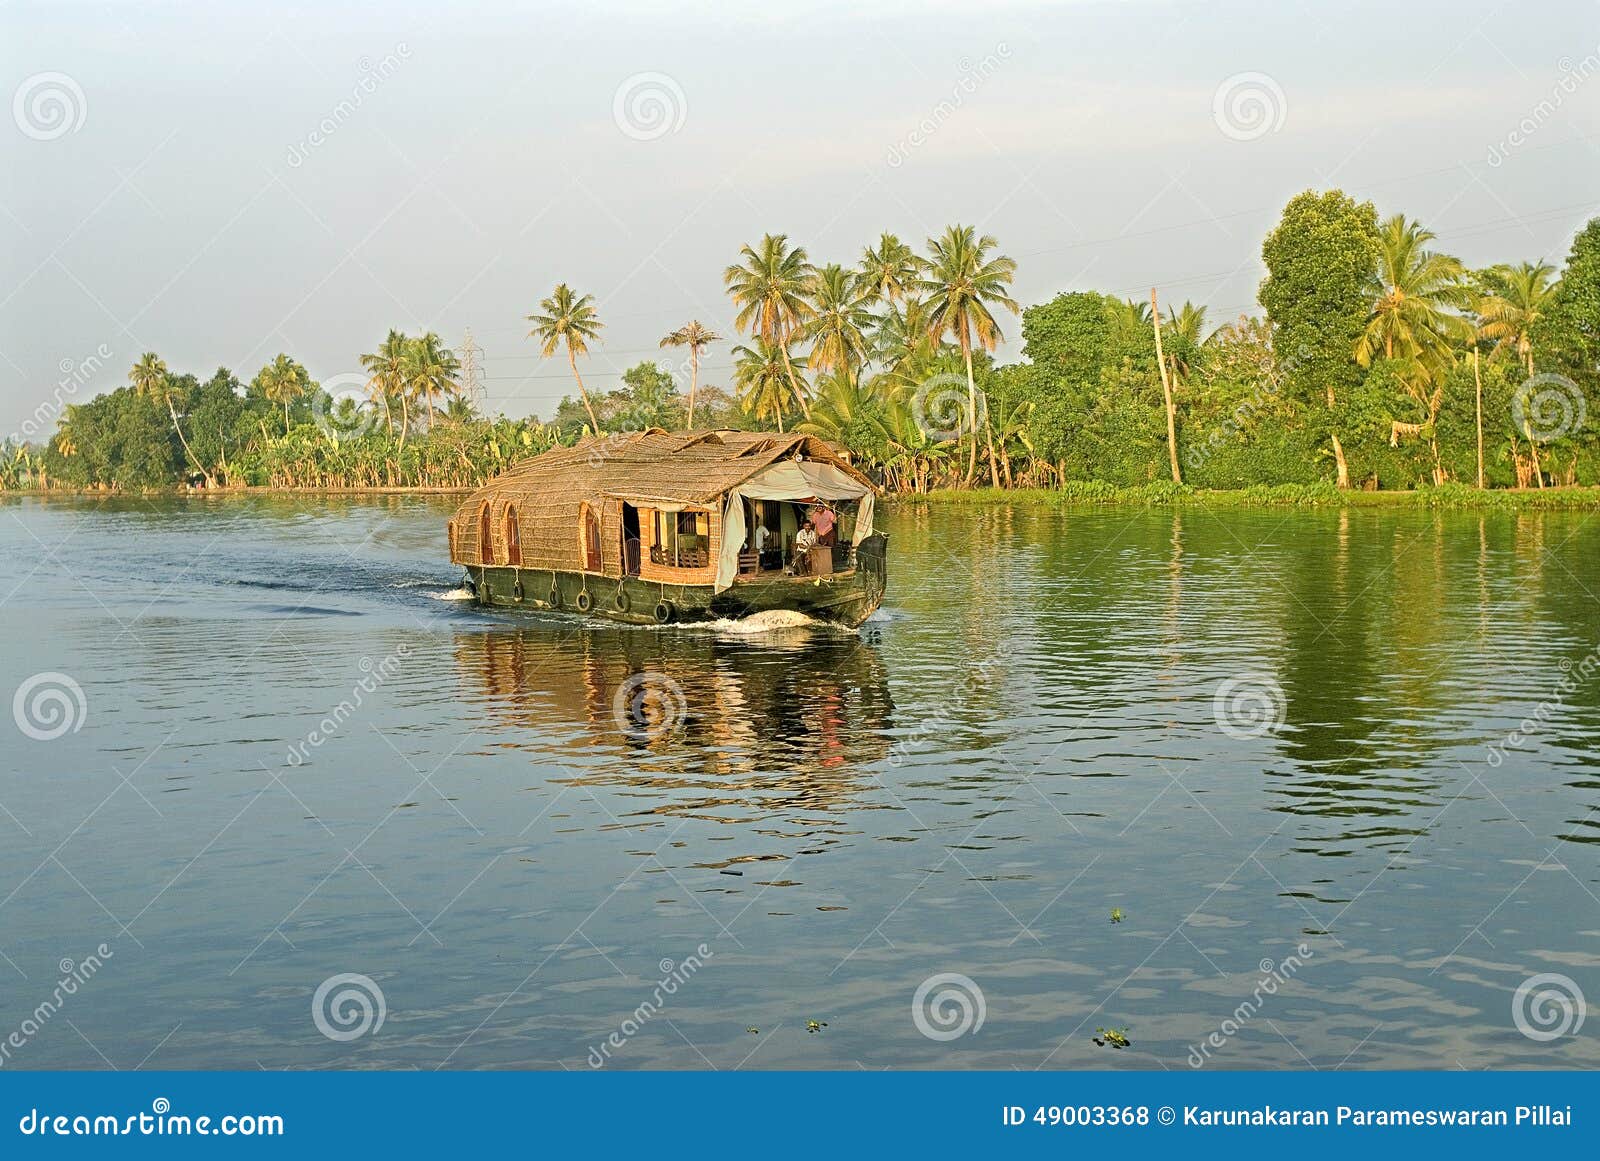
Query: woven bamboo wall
x=548, y=493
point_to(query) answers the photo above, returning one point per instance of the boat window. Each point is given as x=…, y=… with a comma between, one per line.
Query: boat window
x=591, y=539
x=683, y=539
x=513, y=537
x=485, y=536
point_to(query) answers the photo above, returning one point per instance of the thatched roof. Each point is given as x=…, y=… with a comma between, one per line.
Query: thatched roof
x=689, y=467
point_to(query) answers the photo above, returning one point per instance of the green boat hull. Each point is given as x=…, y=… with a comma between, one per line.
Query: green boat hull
x=847, y=598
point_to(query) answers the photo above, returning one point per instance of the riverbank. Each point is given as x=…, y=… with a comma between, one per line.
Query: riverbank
x=1164, y=494
x=1076, y=492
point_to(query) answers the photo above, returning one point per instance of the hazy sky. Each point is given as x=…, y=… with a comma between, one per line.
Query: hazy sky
x=219, y=182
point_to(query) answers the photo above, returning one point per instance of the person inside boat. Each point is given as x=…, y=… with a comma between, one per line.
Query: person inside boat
x=823, y=519
x=765, y=542
x=805, y=542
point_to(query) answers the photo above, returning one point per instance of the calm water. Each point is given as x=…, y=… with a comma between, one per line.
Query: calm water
x=1027, y=737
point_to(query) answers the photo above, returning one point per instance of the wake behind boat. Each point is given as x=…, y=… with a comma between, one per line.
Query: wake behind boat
x=658, y=527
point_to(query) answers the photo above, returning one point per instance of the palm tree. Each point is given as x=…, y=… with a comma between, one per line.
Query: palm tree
x=283, y=381
x=1187, y=328
x=770, y=291
x=386, y=378
x=839, y=322
x=66, y=439
x=1518, y=298
x=902, y=343
x=152, y=381
x=431, y=368
x=697, y=337
x=1416, y=292
x=842, y=404
x=763, y=375
x=962, y=281
x=569, y=319
x=889, y=273
x=460, y=410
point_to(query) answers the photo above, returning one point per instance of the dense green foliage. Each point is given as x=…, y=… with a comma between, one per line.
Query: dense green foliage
x=1366, y=372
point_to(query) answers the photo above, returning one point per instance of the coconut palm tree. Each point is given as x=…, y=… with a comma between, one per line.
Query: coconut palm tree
x=889, y=273
x=770, y=290
x=1185, y=328
x=842, y=405
x=1416, y=293
x=837, y=329
x=569, y=319
x=431, y=368
x=66, y=439
x=763, y=376
x=1519, y=296
x=386, y=378
x=902, y=343
x=151, y=380
x=961, y=282
x=697, y=337
x=283, y=381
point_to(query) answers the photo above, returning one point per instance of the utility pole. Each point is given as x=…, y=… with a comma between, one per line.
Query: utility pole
x=1166, y=391
x=1477, y=378
x=472, y=388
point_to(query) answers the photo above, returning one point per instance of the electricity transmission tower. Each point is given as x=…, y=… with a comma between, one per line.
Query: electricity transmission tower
x=472, y=388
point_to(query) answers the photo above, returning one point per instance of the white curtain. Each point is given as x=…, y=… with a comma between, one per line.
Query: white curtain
x=789, y=481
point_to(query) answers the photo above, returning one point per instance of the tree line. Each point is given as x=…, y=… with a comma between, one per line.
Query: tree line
x=1379, y=361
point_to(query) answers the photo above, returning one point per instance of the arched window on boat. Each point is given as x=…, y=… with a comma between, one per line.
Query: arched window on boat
x=513, y=537
x=591, y=539
x=485, y=536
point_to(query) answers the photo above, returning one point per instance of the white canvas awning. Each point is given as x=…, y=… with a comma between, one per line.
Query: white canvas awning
x=790, y=480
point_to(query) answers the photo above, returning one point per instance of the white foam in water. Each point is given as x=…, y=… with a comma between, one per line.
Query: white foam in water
x=461, y=594
x=769, y=621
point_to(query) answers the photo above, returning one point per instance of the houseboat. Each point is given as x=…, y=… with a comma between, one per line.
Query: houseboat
x=661, y=527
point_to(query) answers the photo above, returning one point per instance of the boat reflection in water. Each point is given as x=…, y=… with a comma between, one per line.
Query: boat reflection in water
x=720, y=725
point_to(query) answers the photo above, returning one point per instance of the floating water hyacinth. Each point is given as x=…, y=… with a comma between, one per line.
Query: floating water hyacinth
x=1112, y=1037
